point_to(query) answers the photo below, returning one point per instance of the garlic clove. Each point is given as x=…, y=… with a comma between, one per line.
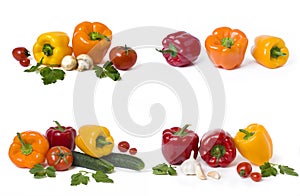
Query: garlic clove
x=214, y=174
x=199, y=172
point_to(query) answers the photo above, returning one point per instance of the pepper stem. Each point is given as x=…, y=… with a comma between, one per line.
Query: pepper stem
x=98, y=36
x=227, y=42
x=26, y=149
x=48, y=50
x=275, y=52
x=101, y=142
x=172, y=50
x=182, y=132
x=59, y=127
x=247, y=134
x=218, y=151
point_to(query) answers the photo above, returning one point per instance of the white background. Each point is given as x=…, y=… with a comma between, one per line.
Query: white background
x=254, y=94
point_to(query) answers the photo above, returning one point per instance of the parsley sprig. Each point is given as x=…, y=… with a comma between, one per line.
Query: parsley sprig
x=164, y=169
x=39, y=171
x=271, y=169
x=82, y=177
x=108, y=70
x=49, y=74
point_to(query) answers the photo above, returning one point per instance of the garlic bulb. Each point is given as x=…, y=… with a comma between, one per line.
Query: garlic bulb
x=188, y=167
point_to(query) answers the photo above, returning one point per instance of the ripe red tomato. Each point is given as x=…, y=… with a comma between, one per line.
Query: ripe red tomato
x=20, y=53
x=25, y=62
x=60, y=157
x=123, y=57
x=123, y=146
x=244, y=169
x=132, y=151
x=255, y=176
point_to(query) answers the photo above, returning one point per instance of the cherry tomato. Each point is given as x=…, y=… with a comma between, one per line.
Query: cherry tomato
x=123, y=57
x=60, y=157
x=255, y=176
x=20, y=53
x=25, y=62
x=132, y=151
x=123, y=146
x=244, y=169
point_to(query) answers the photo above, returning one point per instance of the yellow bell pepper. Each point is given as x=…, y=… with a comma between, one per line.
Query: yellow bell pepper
x=254, y=143
x=270, y=51
x=94, y=140
x=52, y=47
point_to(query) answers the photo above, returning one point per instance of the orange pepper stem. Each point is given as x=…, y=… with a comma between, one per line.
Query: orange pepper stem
x=218, y=151
x=227, y=42
x=48, y=50
x=26, y=149
x=101, y=142
x=247, y=134
x=59, y=127
x=98, y=36
x=182, y=132
x=275, y=52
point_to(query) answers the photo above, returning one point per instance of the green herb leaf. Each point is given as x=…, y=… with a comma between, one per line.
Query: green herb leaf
x=268, y=170
x=164, y=169
x=287, y=170
x=99, y=176
x=79, y=178
x=39, y=171
x=50, y=76
x=35, y=67
x=108, y=70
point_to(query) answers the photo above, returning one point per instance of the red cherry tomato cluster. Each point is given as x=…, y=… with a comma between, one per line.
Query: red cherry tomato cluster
x=21, y=54
x=244, y=169
x=124, y=146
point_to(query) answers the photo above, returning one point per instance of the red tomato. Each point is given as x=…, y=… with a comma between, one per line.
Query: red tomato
x=132, y=151
x=255, y=176
x=25, y=62
x=20, y=53
x=60, y=157
x=244, y=169
x=123, y=146
x=123, y=57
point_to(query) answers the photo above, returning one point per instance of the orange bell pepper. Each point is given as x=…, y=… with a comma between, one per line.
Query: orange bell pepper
x=270, y=51
x=254, y=143
x=92, y=38
x=226, y=47
x=28, y=149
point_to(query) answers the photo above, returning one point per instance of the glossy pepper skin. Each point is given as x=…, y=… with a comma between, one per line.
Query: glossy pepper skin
x=52, y=47
x=94, y=140
x=226, y=47
x=254, y=143
x=61, y=136
x=92, y=38
x=270, y=51
x=178, y=144
x=28, y=149
x=180, y=48
x=217, y=148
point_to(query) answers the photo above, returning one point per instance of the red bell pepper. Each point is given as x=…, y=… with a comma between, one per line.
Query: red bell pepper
x=180, y=48
x=217, y=148
x=178, y=143
x=61, y=136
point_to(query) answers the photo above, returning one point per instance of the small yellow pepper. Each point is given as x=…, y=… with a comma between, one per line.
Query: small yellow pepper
x=52, y=47
x=270, y=51
x=254, y=143
x=94, y=140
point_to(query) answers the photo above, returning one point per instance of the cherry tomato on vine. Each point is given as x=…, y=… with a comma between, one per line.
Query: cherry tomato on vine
x=123, y=146
x=25, y=62
x=20, y=53
x=244, y=169
x=255, y=176
x=123, y=57
x=60, y=157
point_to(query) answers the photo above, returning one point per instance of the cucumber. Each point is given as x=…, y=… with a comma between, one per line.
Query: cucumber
x=125, y=161
x=86, y=161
